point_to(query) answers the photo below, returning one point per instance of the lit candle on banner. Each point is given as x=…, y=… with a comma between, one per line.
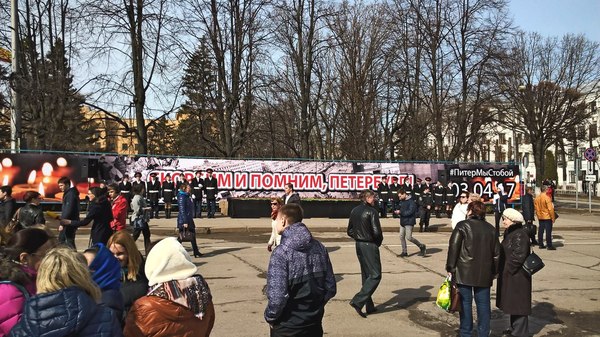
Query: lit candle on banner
x=8, y=171
x=62, y=169
x=20, y=189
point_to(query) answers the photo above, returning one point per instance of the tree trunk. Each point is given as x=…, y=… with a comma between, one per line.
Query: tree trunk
x=539, y=156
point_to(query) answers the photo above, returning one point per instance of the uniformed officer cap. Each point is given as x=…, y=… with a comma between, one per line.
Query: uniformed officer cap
x=394, y=178
x=209, y=170
x=419, y=180
x=428, y=179
x=199, y=171
x=125, y=176
x=168, y=175
x=153, y=174
x=138, y=174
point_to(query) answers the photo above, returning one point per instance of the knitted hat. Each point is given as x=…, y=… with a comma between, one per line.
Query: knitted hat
x=168, y=261
x=513, y=215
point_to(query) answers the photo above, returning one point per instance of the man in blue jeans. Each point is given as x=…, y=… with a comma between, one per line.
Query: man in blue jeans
x=473, y=258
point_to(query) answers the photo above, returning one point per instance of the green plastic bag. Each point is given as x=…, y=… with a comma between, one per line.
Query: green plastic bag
x=443, y=296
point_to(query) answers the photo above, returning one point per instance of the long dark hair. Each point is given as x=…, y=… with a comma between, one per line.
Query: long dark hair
x=99, y=194
x=28, y=240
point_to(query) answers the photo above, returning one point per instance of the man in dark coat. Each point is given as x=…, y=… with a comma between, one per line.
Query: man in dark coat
x=300, y=279
x=450, y=198
x=528, y=211
x=137, y=180
x=365, y=229
x=425, y=204
x=408, y=212
x=125, y=188
x=197, y=185
x=439, y=193
x=154, y=188
x=211, y=188
x=70, y=211
x=290, y=196
x=383, y=191
x=8, y=205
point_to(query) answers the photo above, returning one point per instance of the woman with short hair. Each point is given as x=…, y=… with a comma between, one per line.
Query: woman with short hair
x=65, y=304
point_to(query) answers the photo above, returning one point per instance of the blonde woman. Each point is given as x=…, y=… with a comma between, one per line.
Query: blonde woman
x=65, y=304
x=275, y=238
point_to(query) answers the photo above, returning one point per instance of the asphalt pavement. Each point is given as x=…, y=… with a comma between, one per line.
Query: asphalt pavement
x=565, y=293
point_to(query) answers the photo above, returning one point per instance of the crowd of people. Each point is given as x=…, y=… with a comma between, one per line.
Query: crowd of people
x=112, y=289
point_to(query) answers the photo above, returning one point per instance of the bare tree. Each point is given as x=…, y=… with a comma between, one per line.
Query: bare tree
x=546, y=83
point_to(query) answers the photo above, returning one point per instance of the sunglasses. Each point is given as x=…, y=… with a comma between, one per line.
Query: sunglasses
x=274, y=204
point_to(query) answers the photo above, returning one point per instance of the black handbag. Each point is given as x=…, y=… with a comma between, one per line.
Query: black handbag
x=186, y=235
x=533, y=263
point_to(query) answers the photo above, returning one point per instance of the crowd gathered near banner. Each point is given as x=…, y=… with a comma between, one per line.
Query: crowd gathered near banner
x=110, y=288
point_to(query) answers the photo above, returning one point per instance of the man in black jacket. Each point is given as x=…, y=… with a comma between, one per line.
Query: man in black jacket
x=197, y=185
x=408, y=211
x=365, y=229
x=383, y=190
x=290, y=196
x=211, y=188
x=70, y=211
x=528, y=211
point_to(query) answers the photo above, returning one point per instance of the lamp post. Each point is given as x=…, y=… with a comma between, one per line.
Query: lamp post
x=15, y=116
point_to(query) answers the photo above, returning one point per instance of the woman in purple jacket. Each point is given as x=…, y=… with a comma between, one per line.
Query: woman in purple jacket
x=19, y=262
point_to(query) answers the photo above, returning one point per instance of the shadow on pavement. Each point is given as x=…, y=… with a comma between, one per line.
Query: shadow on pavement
x=406, y=298
x=223, y=251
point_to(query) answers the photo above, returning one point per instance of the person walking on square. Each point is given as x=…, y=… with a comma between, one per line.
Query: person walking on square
x=275, y=238
x=473, y=258
x=290, y=196
x=100, y=212
x=544, y=210
x=394, y=188
x=300, y=279
x=119, y=208
x=425, y=205
x=528, y=211
x=154, y=190
x=365, y=229
x=168, y=194
x=459, y=213
x=197, y=184
x=211, y=188
x=70, y=211
x=513, y=292
x=450, y=199
x=383, y=191
x=408, y=212
x=125, y=188
x=140, y=216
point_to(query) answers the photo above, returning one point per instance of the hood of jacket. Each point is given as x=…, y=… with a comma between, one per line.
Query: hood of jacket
x=67, y=312
x=106, y=270
x=296, y=237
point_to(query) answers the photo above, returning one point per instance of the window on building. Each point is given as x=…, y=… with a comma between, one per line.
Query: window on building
x=593, y=130
x=502, y=138
x=571, y=177
x=570, y=155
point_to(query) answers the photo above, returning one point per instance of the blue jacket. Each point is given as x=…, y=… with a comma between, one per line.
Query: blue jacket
x=408, y=212
x=186, y=211
x=300, y=280
x=67, y=312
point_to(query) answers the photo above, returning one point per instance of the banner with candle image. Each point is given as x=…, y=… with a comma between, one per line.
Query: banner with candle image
x=252, y=178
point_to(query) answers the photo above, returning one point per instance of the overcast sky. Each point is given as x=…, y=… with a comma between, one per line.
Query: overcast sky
x=558, y=17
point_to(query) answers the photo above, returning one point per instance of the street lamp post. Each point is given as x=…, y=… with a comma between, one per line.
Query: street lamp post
x=15, y=117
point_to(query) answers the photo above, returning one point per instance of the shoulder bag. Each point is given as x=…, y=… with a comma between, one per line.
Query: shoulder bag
x=533, y=263
x=14, y=225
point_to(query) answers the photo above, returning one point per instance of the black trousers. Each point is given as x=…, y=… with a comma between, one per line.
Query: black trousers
x=145, y=230
x=425, y=216
x=194, y=244
x=370, y=269
x=311, y=331
x=67, y=236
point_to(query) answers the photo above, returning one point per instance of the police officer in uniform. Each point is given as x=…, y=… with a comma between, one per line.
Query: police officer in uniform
x=197, y=185
x=450, y=199
x=425, y=206
x=137, y=180
x=407, y=187
x=168, y=194
x=211, y=189
x=394, y=188
x=439, y=192
x=154, y=194
x=418, y=190
x=125, y=187
x=383, y=190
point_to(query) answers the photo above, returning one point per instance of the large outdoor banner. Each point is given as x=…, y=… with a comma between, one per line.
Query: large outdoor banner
x=251, y=178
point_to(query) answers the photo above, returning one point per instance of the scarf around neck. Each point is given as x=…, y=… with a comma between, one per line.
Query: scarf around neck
x=192, y=293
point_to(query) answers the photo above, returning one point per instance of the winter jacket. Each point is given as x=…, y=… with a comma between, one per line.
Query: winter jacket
x=153, y=316
x=13, y=297
x=132, y=290
x=364, y=224
x=408, y=212
x=67, y=312
x=119, y=212
x=513, y=294
x=185, y=215
x=527, y=207
x=70, y=205
x=100, y=212
x=30, y=215
x=7, y=209
x=473, y=253
x=138, y=203
x=300, y=280
x=544, y=209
